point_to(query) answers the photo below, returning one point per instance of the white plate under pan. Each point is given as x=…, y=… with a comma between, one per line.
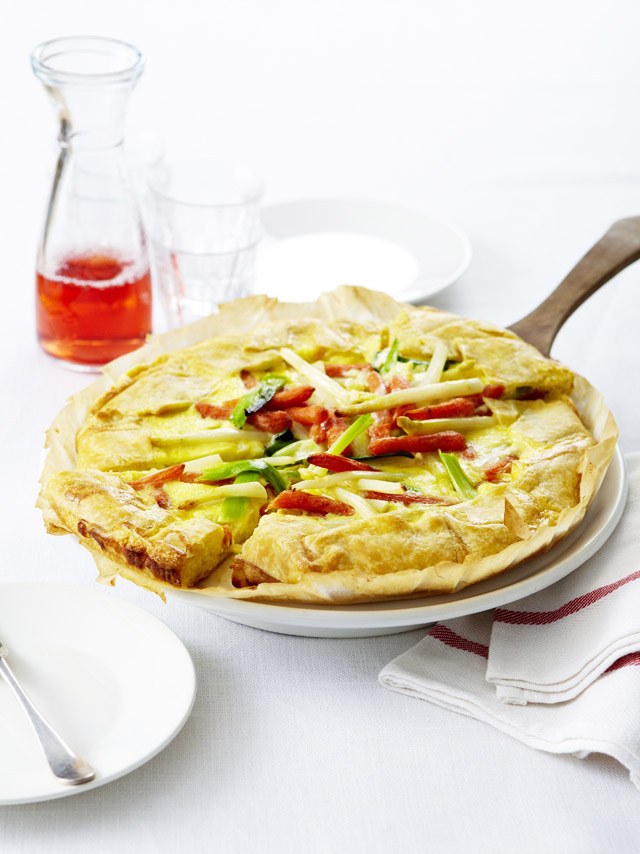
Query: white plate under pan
x=385, y=618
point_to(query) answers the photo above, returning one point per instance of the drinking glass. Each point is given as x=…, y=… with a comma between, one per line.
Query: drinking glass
x=205, y=228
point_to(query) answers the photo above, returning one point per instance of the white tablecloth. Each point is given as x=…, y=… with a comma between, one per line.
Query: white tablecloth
x=520, y=122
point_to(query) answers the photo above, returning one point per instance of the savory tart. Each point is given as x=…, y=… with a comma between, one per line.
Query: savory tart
x=351, y=450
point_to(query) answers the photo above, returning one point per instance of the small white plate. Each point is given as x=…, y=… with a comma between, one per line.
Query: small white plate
x=114, y=681
x=315, y=245
x=385, y=618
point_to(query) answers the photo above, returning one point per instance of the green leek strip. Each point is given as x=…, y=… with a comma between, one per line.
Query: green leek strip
x=437, y=425
x=460, y=481
x=353, y=431
x=255, y=399
x=300, y=450
x=333, y=393
x=234, y=509
x=361, y=505
x=344, y=476
x=416, y=394
x=259, y=467
x=436, y=366
x=392, y=357
x=279, y=442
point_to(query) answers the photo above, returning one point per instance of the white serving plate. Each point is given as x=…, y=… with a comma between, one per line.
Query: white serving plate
x=114, y=681
x=385, y=618
x=324, y=243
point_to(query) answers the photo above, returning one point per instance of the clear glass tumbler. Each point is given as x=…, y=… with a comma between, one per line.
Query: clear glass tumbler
x=93, y=285
x=204, y=234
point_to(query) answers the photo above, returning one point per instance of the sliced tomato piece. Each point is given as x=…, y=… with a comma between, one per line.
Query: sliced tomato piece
x=459, y=407
x=317, y=505
x=335, y=462
x=447, y=440
x=331, y=369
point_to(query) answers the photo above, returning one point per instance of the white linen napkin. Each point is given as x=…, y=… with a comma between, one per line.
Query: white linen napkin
x=555, y=670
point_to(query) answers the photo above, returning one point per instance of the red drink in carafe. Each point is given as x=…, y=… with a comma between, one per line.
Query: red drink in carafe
x=93, y=307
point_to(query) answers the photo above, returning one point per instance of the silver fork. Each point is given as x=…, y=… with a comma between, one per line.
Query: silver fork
x=65, y=764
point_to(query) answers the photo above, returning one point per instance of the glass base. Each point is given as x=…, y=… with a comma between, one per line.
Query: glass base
x=100, y=352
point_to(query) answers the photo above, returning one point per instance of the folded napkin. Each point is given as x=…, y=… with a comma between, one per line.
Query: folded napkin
x=556, y=669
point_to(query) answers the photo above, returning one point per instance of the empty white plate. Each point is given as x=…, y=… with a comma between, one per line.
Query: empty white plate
x=114, y=681
x=315, y=245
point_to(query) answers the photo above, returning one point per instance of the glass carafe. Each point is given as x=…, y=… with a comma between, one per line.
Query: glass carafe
x=93, y=300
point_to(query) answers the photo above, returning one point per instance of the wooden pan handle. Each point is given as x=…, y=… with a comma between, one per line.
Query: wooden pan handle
x=619, y=247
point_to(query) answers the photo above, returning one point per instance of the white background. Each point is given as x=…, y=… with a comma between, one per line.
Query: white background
x=520, y=122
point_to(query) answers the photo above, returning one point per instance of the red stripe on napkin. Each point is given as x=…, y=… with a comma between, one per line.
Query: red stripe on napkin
x=542, y=618
x=625, y=661
x=442, y=633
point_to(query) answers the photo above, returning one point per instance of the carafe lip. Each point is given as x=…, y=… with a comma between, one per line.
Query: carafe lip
x=59, y=61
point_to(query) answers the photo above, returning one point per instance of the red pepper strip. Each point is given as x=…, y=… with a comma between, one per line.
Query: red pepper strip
x=503, y=466
x=161, y=497
x=381, y=428
x=308, y=415
x=159, y=477
x=448, y=440
x=189, y=476
x=227, y=536
x=318, y=432
x=492, y=391
x=334, y=462
x=336, y=425
x=270, y=422
x=395, y=385
x=333, y=370
x=294, y=395
x=459, y=407
x=248, y=379
x=405, y=498
x=315, y=504
x=376, y=384
x=210, y=410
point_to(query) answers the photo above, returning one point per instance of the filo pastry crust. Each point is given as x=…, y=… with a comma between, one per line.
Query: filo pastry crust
x=402, y=553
